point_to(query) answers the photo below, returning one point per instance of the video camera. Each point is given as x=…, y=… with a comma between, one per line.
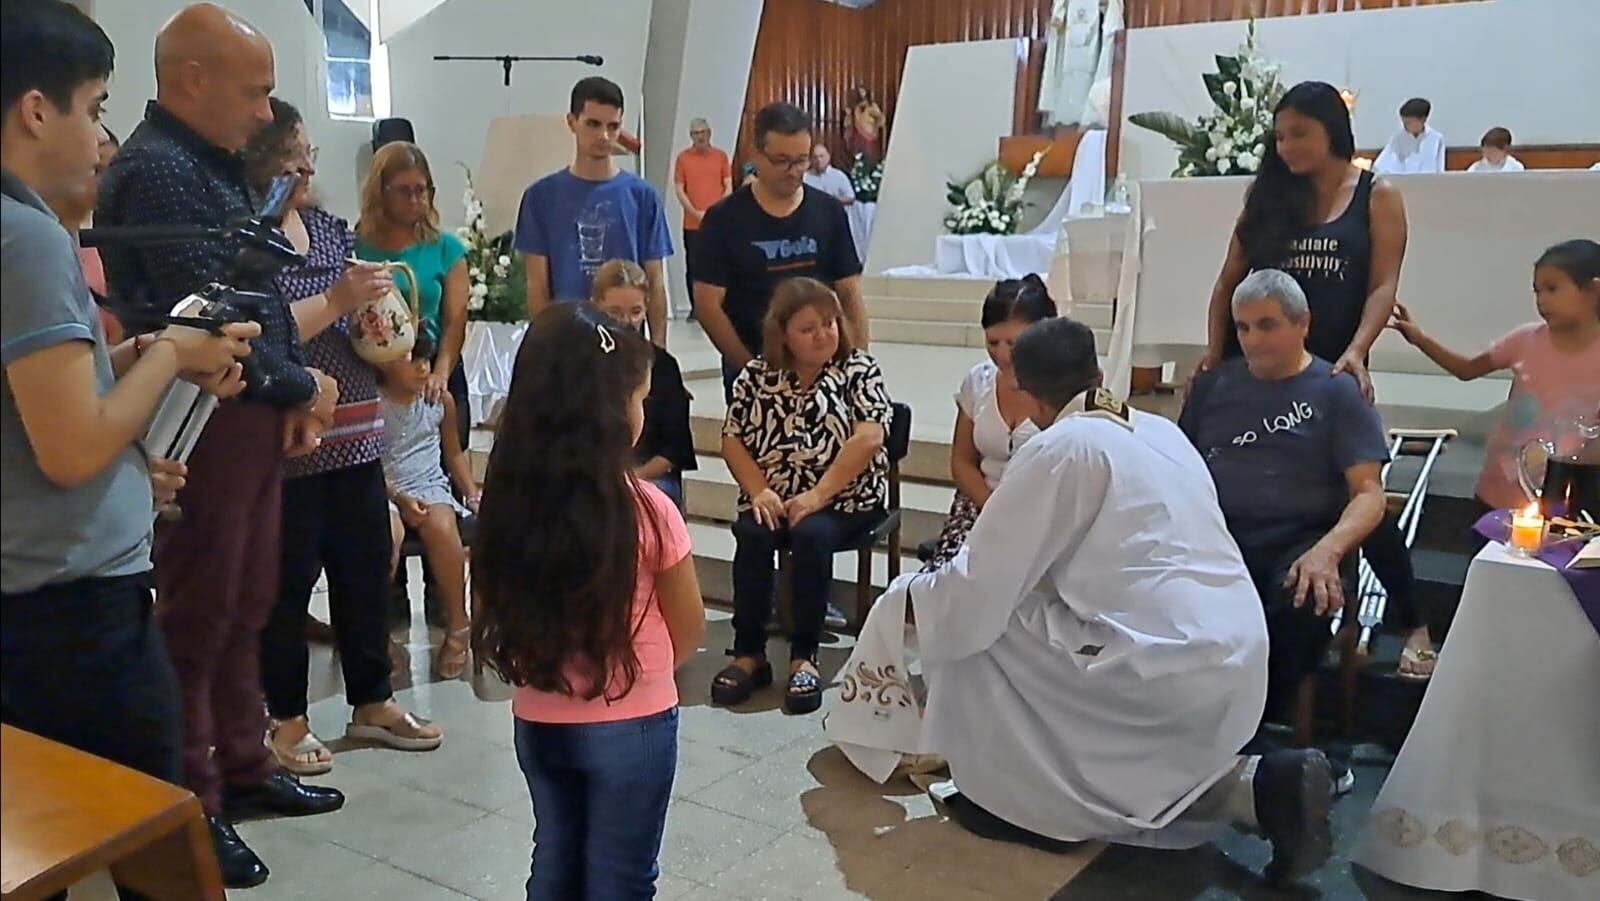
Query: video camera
x=261, y=251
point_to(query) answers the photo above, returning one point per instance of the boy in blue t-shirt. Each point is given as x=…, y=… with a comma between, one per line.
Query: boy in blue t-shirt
x=574, y=219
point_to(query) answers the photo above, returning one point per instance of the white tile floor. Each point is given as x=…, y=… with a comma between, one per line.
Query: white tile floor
x=763, y=807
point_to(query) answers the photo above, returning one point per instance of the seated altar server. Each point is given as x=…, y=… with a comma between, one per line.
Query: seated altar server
x=1496, y=148
x=1096, y=655
x=1417, y=148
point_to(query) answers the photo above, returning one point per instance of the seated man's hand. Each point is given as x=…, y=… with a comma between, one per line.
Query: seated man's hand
x=1315, y=578
x=302, y=433
x=166, y=480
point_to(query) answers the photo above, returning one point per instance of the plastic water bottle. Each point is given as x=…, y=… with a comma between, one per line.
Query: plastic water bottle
x=1121, y=200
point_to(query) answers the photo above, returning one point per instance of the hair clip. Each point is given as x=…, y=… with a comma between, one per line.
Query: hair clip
x=608, y=343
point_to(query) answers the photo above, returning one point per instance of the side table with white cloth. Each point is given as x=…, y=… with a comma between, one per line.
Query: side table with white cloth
x=488, y=358
x=1497, y=787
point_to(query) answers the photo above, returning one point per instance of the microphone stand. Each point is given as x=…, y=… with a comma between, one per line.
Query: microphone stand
x=506, y=61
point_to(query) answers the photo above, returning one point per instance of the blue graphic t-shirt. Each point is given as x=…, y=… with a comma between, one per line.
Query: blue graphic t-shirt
x=748, y=252
x=578, y=224
x=1278, y=450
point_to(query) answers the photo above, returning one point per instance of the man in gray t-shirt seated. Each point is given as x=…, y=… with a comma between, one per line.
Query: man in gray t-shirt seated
x=1296, y=453
x=81, y=659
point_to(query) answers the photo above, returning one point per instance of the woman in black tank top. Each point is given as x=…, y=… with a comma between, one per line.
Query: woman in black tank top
x=1342, y=235
x=1313, y=214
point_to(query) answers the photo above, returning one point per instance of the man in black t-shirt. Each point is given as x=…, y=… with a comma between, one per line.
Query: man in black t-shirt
x=1296, y=454
x=773, y=229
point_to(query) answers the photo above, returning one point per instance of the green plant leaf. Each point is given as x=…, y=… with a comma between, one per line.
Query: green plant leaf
x=1229, y=67
x=1171, y=126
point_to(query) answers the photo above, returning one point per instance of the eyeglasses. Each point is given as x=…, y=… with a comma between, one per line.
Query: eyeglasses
x=410, y=192
x=787, y=163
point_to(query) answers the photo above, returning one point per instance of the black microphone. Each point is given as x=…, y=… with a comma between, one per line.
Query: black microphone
x=591, y=59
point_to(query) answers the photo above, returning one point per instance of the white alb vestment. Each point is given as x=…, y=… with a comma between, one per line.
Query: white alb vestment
x=831, y=181
x=1071, y=57
x=1409, y=154
x=1509, y=164
x=1096, y=655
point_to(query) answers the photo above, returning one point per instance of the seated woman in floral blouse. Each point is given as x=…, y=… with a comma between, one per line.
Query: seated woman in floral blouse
x=804, y=438
x=991, y=425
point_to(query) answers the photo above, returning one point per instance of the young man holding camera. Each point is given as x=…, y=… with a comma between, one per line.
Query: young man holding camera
x=81, y=660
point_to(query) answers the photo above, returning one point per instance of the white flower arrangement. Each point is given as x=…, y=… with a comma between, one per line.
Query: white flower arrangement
x=992, y=202
x=496, y=293
x=866, y=177
x=1231, y=140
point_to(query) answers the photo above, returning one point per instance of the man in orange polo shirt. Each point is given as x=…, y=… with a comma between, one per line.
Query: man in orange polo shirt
x=702, y=176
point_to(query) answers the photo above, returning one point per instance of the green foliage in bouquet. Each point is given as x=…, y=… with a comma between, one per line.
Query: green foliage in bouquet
x=497, y=280
x=866, y=177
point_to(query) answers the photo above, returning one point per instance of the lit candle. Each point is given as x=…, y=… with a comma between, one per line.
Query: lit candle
x=1527, y=531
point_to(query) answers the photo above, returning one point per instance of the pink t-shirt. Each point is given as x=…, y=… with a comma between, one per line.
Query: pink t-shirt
x=1547, y=387
x=654, y=690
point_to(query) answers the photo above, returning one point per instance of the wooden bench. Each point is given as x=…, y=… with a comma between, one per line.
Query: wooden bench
x=66, y=815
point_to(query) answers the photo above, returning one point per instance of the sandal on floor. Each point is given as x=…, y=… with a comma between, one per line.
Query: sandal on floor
x=804, y=694
x=1417, y=664
x=452, y=663
x=292, y=761
x=402, y=736
x=734, y=685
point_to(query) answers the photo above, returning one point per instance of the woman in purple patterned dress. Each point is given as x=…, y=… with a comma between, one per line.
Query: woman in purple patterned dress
x=335, y=506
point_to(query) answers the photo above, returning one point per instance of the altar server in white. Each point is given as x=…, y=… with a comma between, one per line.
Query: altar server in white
x=1096, y=655
x=1496, y=147
x=1417, y=148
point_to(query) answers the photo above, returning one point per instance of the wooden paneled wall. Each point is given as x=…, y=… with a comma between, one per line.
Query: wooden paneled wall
x=810, y=53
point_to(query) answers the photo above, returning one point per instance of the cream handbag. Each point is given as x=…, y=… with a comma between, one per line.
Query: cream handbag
x=385, y=330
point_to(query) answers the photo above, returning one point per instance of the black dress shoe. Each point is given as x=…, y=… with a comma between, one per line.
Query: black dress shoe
x=1293, y=796
x=241, y=868
x=280, y=794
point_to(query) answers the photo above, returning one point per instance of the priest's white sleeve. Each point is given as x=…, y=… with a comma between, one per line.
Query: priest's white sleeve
x=1049, y=497
x=1388, y=161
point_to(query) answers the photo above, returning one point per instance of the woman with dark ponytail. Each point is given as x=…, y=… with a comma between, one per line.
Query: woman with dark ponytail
x=1315, y=215
x=1341, y=232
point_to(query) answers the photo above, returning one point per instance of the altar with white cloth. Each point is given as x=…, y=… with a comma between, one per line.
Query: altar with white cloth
x=1497, y=788
x=1472, y=243
x=1015, y=256
x=487, y=360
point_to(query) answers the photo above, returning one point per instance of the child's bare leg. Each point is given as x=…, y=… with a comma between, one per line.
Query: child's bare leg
x=397, y=536
x=441, y=540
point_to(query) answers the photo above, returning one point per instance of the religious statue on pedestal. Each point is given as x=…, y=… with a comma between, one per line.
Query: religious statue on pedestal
x=863, y=125
x=1077, y=60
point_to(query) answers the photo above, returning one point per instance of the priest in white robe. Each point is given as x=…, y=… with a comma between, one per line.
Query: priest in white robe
x=1096, y=655
x=1417, y=148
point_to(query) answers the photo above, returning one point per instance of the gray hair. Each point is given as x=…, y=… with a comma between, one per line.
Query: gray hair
x=1278, y=285
x=698, y=122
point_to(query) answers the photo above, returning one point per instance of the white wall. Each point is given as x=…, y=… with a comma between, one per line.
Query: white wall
x=450, y=103
x=297, y=50
x=1529, y=65
x=954, y=105
x=698, y=66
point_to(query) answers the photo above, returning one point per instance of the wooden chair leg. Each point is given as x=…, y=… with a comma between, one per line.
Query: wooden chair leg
x=1350, y=660
x=863, y=588
x=894, y=555
x=1305, y=712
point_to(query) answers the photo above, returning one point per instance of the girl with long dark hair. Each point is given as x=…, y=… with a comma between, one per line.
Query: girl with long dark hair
x=1341, y=232
x=587, y=601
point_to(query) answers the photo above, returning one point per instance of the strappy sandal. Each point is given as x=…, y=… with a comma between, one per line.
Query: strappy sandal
x=1417, y=664
x=405, y=735
x=292, y=760
x=734, y=685
x=805, y=692
x=452, y=660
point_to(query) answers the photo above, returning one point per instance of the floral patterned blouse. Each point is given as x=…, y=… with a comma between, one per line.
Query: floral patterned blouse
x=796, y=433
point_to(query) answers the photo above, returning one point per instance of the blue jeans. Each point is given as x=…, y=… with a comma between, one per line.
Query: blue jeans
x=672, y=486
x=600, y=795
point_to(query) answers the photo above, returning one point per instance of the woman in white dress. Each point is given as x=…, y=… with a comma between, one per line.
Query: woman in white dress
x=990, y=423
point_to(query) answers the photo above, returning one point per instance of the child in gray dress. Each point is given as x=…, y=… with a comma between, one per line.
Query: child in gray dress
x=418, y=433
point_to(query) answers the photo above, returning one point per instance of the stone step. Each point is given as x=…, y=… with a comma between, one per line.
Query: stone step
x=948, y=334
x=967, y=312
x=954, y=288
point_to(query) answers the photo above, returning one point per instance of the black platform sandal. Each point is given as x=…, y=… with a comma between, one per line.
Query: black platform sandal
x=734, y=686
x=805, y=692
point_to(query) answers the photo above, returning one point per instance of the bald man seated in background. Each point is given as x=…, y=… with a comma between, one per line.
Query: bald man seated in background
x=217, y=567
